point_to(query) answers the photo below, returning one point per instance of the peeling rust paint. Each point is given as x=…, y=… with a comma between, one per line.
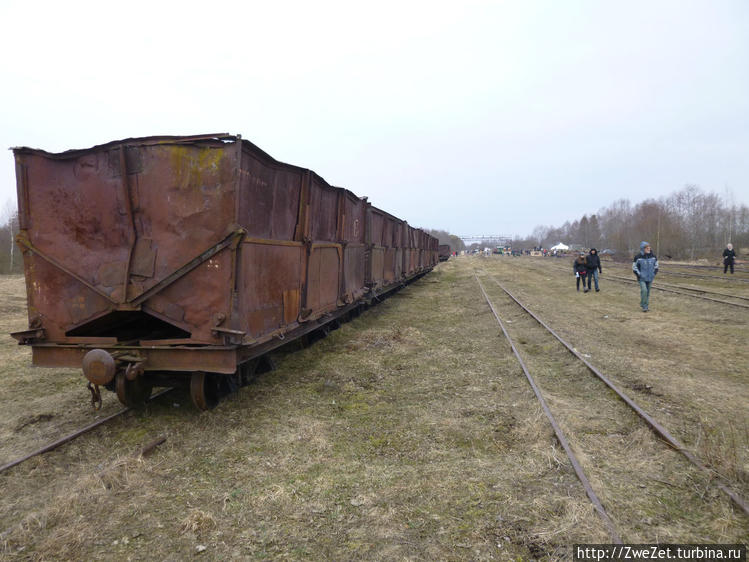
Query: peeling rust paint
x=204, y=241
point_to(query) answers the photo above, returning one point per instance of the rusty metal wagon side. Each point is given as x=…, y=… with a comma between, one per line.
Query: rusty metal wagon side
x=443, y=252
x=150, y=259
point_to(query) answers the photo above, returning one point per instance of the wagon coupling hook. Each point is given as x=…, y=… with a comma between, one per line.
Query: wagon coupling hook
x=95, y=395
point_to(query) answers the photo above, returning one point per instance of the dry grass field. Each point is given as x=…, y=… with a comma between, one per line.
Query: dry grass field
x=410, y=434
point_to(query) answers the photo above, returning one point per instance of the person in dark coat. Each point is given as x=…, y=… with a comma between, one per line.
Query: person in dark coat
x=729, y=256
x=581, y=271
x=593, y=264
x=645, y=268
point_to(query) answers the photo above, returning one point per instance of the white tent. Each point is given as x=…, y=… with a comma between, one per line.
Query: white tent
x=560, y=246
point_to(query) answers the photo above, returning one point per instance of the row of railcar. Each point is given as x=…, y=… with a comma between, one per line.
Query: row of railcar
x=164, y=260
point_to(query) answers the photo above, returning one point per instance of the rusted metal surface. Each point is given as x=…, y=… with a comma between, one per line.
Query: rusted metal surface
x=443, y=252
x=218, y=359
x=99, y=367
x=132, y=392
x=184, y=250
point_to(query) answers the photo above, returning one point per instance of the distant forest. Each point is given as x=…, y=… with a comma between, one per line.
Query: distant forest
x=455, y=243
x=687, y=224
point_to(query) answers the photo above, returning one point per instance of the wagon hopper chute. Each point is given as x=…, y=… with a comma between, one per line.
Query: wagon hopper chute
x=168, y=260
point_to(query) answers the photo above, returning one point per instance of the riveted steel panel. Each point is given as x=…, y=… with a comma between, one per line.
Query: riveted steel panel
x=197, y=243
x=354, y=210
x=323, y=278
x=323, y=211
x=268, y=271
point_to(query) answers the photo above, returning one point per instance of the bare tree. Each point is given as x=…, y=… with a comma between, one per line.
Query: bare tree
x=9, y=263
x=594, y=232
x=539, y=235
x=688, y=223
x=444, y=237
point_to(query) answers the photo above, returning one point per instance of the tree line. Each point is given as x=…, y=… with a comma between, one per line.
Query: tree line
x=10, y=256
x=687, y=224
x=444, y=237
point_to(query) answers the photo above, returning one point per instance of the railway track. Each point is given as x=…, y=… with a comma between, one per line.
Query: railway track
x=737, y=269
x=731, y=279
x=667, y=269
x=563, y=386
x=676, y=290
x=705, y=291
x=77, y=433
x=673, y=289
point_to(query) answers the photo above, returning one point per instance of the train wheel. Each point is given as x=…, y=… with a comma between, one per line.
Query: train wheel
x=204, y=391
x=250, y=370
x=247, y=371
x=132, y=393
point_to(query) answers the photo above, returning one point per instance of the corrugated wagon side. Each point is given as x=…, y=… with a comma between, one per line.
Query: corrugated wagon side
x=163, y=259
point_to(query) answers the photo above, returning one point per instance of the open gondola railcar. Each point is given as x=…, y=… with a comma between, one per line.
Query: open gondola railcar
x=168, y=260
x=443, y=252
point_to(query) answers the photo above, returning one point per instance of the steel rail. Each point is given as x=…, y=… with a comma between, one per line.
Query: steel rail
x=743, y=298
x=716, y=277
x=661, y=288
x=713, y=267
x=75, y=434
x=664, y=269
x=706, y=291
x=557, y=429
x=655, y=426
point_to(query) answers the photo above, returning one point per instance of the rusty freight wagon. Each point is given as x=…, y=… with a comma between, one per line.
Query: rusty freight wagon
x=181, y=260
x=443, y=252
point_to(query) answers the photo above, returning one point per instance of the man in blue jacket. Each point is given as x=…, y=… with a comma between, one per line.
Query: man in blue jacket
x=645, y=267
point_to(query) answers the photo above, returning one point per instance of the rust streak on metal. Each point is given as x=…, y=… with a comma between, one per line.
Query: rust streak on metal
x=23, y=240
x=127, y=219
x=131, y=220
x=266, y=242
x=188, y=267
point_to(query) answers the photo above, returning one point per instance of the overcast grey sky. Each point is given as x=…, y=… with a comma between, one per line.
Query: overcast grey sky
x=478, y=117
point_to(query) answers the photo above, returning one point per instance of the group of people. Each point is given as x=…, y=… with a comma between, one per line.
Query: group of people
x=586, y=269
x=644, y=266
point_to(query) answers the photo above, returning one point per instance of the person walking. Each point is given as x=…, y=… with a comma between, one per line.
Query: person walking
x=645, y=268
x=581, y=271
x=593, y=264
x=729, y=256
